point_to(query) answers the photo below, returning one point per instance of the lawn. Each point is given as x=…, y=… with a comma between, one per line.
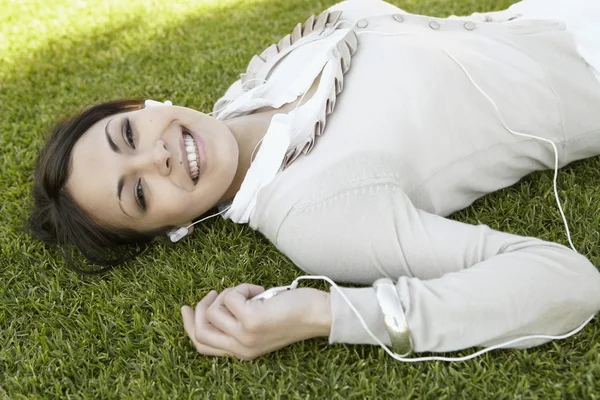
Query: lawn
x=120, y=335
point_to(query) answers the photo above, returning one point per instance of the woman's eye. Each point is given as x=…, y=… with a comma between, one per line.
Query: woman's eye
x=139, y=194
x=129, y=133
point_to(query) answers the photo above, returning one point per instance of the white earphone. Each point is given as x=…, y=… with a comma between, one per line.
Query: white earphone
x=177, y=234
x=153, y=103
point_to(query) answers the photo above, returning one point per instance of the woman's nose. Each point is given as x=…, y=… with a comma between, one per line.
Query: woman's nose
x=161, y=157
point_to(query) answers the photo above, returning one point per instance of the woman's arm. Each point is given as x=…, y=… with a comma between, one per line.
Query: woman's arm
x=460, y=285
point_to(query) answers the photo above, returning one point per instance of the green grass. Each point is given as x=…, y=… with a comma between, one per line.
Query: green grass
x=121, y=335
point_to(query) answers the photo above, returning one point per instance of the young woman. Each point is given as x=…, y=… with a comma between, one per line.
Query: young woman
x=346, y=144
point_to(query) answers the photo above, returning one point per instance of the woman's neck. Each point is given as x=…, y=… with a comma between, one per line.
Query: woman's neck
x=248, y=131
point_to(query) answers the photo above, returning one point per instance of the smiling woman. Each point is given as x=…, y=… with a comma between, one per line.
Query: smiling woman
x=146, y=180
x=151, y=160
x=373, y=125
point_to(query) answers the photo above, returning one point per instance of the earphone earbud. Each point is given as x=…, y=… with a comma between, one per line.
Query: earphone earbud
x=153, y=103
x=178, y=234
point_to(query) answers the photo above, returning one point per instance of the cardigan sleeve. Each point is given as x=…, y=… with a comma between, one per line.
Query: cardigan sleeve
x=459, y=285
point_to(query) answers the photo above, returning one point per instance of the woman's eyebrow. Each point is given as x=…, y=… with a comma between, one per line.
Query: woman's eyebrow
x=112, y=144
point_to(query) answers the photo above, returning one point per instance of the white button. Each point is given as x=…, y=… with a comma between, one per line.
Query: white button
x=362, y=23
x=399, y=17
x=469, y=26
x=434, y=25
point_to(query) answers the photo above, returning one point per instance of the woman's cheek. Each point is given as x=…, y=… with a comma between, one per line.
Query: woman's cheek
x=167, y=207
x=183, y=207
x=177, y=211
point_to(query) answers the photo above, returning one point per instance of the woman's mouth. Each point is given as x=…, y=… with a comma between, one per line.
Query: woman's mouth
x=193, y=155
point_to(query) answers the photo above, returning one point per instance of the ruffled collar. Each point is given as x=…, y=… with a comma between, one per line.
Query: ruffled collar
x=292, y=134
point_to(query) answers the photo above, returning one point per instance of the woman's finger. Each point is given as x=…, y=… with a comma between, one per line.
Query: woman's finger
x=236, y=299
x=188, y=324
x=208, y=334
x=220, y=317
x=208, y=299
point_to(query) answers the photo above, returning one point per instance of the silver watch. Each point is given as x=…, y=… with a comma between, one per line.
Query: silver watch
x=395, y=320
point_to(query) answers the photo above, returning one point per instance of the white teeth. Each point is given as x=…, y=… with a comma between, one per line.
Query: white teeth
x=192, y=155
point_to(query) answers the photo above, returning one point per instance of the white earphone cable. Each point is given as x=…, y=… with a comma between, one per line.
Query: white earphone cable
x=555, y=180
x=209, y=217
x=501, y=345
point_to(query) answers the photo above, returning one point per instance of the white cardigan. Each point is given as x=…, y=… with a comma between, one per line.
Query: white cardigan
x=411, y=140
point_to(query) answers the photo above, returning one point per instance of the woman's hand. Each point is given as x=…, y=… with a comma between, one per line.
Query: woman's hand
x=229, y=324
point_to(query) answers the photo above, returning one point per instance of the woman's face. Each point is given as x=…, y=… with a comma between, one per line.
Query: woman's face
x=135, y=169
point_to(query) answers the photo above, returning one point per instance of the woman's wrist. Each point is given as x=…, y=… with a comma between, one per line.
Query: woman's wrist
x=320, y=313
